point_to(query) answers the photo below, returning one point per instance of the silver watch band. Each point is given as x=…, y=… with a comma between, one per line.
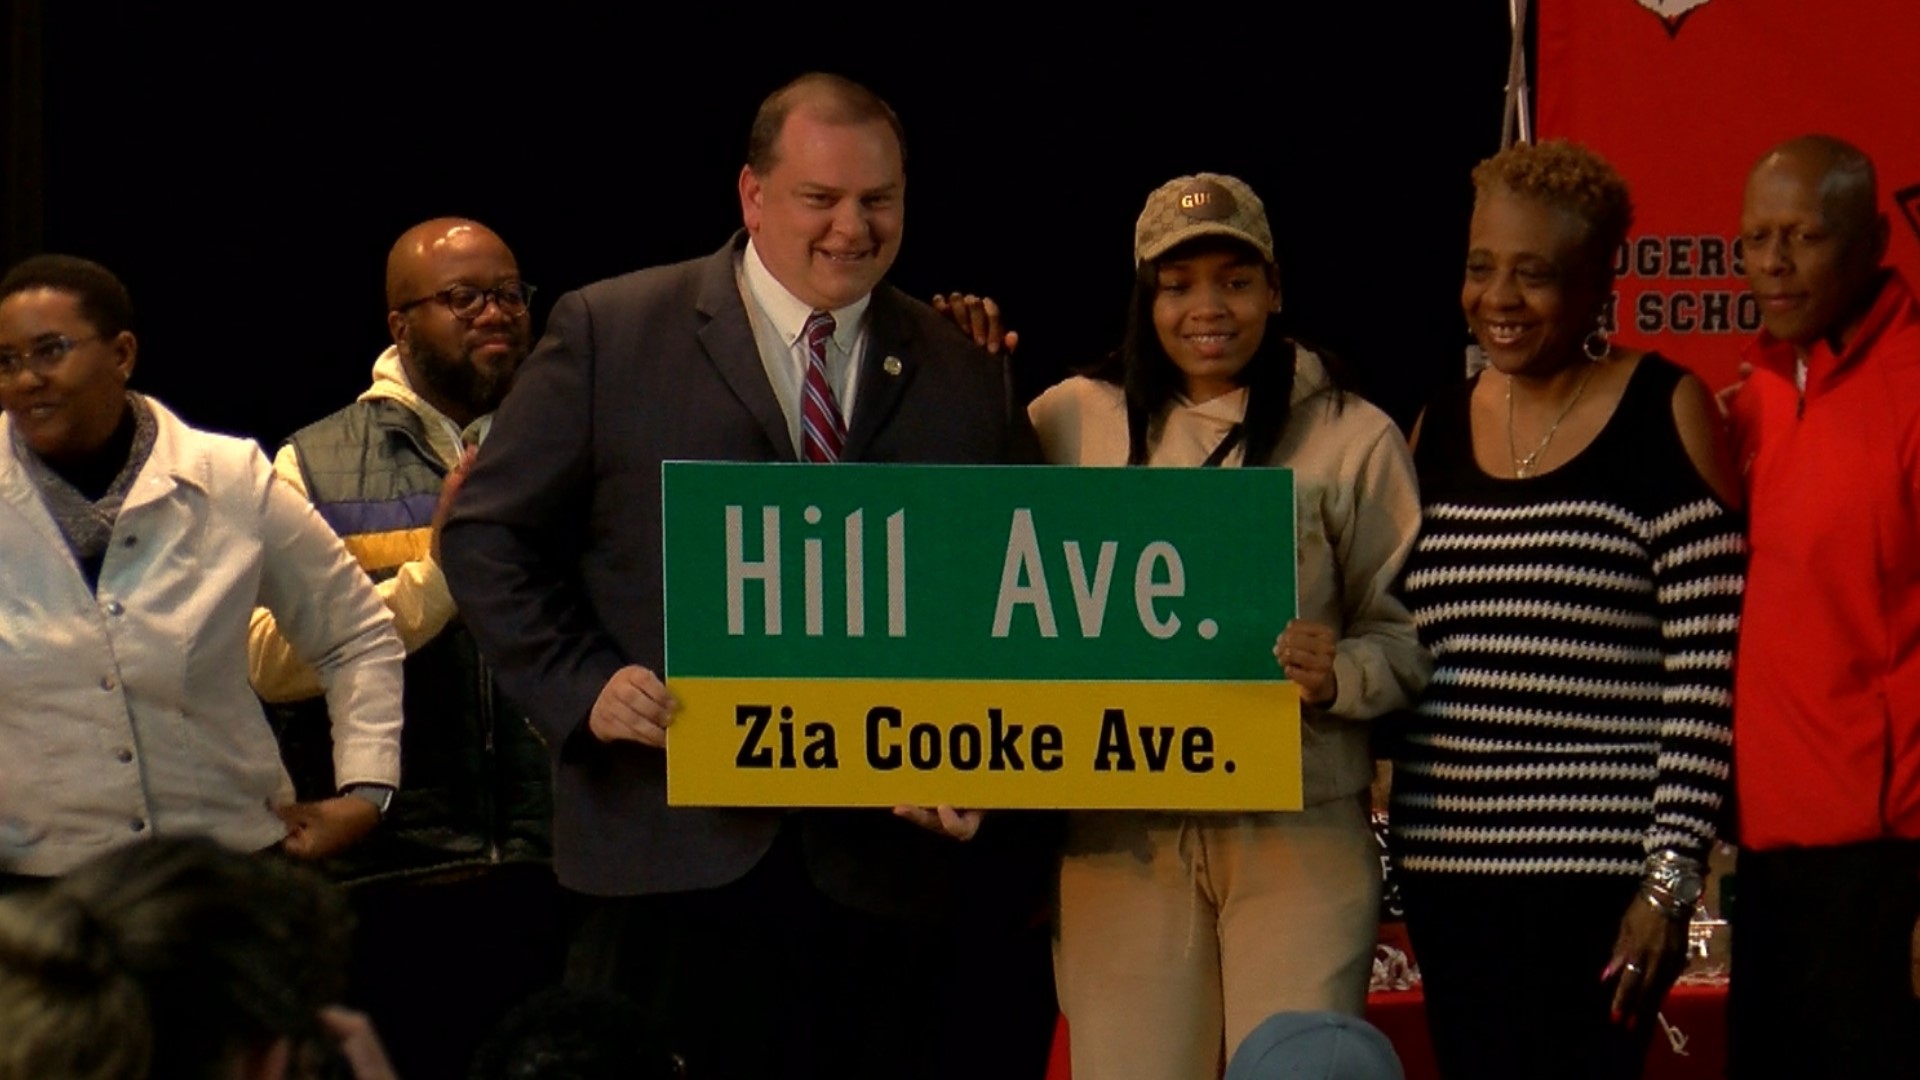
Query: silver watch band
x=380, y=795
x=1674, y=881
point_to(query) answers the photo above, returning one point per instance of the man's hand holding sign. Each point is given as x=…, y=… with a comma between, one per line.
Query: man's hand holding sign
x=635, y=706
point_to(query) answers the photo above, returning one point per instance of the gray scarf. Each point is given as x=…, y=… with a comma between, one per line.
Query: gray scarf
x=87, y=524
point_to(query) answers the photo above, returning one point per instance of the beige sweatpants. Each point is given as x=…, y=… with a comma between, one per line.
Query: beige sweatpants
x=1178, y=934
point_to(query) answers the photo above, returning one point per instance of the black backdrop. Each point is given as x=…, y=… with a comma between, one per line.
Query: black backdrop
x=246, y=172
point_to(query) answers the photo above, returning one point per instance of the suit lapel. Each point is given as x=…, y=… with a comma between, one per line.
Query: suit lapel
x=727, y=338
x=885, y=370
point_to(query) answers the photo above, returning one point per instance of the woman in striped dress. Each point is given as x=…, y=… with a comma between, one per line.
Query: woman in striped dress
x=1578, y=580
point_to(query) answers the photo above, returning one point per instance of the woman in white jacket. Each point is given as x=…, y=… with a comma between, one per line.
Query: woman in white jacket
x=1179, y=933
x=136, y=548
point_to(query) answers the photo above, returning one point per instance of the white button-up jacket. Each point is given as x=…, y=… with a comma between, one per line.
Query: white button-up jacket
x=126, y=713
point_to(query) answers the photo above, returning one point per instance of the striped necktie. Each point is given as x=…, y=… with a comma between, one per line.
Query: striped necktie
x=823, y=434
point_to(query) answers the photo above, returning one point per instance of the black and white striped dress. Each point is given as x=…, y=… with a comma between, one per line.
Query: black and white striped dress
x=1582, y=624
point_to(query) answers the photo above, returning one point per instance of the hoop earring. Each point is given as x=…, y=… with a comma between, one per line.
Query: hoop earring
x=1597, y=343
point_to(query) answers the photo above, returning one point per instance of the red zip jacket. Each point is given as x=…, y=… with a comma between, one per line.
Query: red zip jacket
x=1827, y=684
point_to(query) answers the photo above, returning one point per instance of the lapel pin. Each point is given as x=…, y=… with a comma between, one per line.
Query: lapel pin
x=891, y=365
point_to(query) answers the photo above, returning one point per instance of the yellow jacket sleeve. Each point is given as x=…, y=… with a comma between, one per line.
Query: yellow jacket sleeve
x=416, y=595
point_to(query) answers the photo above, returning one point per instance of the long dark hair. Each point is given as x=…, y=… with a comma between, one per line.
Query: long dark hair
x=1151, y=380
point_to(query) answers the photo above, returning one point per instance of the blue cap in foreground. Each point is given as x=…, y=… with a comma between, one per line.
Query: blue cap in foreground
x=1315, y=1046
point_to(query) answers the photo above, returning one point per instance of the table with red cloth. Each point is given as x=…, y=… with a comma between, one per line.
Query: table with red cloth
x=1691, y=1042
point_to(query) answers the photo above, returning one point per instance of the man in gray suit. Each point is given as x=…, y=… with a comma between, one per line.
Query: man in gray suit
x=814, y=943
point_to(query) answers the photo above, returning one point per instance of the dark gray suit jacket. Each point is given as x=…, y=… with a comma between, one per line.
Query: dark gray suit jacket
x=553, y=556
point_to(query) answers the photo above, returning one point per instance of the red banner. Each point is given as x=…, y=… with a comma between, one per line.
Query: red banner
x=1684, y=95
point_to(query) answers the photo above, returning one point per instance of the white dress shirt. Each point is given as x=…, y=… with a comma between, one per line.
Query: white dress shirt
x=779, y=321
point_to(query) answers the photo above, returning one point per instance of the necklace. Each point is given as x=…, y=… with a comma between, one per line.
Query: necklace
x=1523, y=466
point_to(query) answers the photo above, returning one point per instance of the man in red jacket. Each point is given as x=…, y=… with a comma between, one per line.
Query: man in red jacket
x=1827, y=689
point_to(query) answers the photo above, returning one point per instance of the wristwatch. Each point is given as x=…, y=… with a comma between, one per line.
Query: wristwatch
x=1676, y=875
x=380, y=795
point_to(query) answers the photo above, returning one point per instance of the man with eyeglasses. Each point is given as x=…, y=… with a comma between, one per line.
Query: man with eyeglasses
x=455, y=897
x=844, y=944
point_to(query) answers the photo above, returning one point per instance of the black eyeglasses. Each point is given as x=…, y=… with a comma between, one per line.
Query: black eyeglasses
x=468, y=301
x=42, y=356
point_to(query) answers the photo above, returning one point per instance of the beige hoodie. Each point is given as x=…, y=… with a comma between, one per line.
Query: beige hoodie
x=1359, y=513
x=416, y=593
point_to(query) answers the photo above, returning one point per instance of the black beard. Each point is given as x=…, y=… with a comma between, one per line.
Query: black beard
x=458, y=379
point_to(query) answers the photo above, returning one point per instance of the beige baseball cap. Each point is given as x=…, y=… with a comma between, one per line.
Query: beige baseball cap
x=1204, y=204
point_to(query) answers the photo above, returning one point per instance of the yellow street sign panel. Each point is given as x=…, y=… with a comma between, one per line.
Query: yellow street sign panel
x=1012, y=745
